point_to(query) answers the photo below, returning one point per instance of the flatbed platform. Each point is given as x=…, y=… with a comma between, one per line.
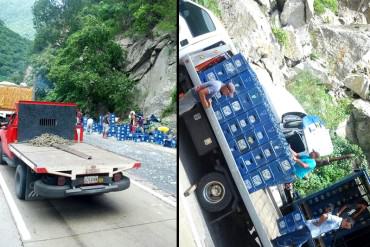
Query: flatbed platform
x=56, y=160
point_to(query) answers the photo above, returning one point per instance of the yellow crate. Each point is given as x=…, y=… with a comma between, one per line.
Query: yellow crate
x=10, y=95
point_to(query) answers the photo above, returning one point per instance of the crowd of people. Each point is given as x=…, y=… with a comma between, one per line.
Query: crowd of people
x=137, y=123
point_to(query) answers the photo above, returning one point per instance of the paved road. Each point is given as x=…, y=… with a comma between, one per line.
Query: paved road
x=158, y=164
x=127, y=218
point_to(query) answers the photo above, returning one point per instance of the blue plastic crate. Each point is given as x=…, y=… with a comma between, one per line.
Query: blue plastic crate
x=236, y=106
x=230, y=68
x=268, y=152
x=267, y=175
x=249, y=185
x=238, y=146
x=220, y=72
x=242, y=168
x=249, y=162
x=243, y=122
x=226, y=110
x=290, y=223
x=208, y=75
x=238, y=83
x=249, y=80
x=240, y=62
x=260, y=135
x=259, y=157
x=257, y=181
x=250, y=137
x=231, y=129
x=282, y=225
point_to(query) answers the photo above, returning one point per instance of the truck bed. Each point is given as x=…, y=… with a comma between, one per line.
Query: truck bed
x=55, y=160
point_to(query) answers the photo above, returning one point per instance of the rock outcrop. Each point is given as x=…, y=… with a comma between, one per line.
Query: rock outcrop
x=152, y=63
x=358, y=128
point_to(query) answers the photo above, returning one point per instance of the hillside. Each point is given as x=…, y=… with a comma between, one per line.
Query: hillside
x=107, y=55
x=14, y=55
x=17, y=16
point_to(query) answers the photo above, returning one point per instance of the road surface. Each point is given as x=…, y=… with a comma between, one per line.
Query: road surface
x=133, y=217
x=158, y=163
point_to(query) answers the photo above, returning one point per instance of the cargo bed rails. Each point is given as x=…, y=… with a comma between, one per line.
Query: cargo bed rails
x=252, y=211
x=58, y=162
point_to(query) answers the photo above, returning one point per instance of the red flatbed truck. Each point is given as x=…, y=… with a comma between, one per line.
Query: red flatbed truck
x=51, y=172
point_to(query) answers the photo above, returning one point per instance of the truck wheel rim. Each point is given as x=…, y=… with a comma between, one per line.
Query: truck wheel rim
x=214, y=192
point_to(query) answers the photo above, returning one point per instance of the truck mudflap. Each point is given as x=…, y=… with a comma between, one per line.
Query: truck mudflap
x=54, y=191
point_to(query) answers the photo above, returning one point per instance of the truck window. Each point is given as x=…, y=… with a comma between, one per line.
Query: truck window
x=197, y=19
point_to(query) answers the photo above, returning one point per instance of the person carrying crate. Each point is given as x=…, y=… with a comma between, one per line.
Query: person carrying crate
x=203, y=94
x=313, y=228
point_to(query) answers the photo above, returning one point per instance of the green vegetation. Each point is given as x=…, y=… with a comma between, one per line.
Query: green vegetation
x=17, y=16
x=320, y=5
x=212, y=5
x=75, y=47
x=314, y=55
x=313, y=96
x=14, y=52
x=281, y=36
x=171, y=108
x=325, y=176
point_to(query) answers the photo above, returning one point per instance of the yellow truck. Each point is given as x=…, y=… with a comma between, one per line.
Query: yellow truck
x=10, y=93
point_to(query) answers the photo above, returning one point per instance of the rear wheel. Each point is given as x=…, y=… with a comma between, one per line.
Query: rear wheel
x=20, y=181
x=213, y=192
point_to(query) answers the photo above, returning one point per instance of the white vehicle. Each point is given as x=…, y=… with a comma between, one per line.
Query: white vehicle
x=204, y=151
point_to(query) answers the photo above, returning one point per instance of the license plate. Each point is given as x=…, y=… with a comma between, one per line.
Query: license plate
x=91, y=179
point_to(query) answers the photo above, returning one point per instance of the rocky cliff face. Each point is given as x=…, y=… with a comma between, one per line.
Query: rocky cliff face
x=152, y=63
x=342, y=41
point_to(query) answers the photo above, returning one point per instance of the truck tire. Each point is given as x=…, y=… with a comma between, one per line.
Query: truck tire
x=213, y=192
x=20, y=181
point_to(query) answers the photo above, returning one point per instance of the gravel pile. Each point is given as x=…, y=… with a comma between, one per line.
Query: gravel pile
x=47, y=140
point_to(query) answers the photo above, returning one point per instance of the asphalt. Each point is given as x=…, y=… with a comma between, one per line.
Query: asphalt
x=158, y=163
x=8, y=229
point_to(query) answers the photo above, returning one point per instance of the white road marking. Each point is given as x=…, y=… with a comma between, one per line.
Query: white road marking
x=154, y=193
x=189, y=217
x=25, y=234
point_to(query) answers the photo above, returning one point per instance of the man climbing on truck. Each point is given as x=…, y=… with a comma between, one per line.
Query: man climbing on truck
x=313, y=229
x=203, y=94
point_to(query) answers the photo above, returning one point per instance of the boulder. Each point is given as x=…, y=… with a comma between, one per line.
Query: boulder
x=293, y=50
x=293, y=13
x=309, y=10
x=345, y=47
x=360, y=6
x=347, y=16
x=361, y=125
x=251, y=32
x=317, y=68
x=358, y=83
x=298, y=45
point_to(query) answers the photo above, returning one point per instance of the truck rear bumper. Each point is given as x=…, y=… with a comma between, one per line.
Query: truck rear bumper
x=53, y=191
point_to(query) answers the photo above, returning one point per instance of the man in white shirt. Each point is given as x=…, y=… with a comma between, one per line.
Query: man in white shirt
x=89, y=127
x=313, y=229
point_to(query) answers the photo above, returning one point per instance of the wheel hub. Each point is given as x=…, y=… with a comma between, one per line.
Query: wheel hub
x=214, y=192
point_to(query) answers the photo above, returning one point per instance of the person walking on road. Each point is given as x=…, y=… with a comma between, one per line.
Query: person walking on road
x=203, y=94
x=313, y=228
x=89, y=126
x=106, y=123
